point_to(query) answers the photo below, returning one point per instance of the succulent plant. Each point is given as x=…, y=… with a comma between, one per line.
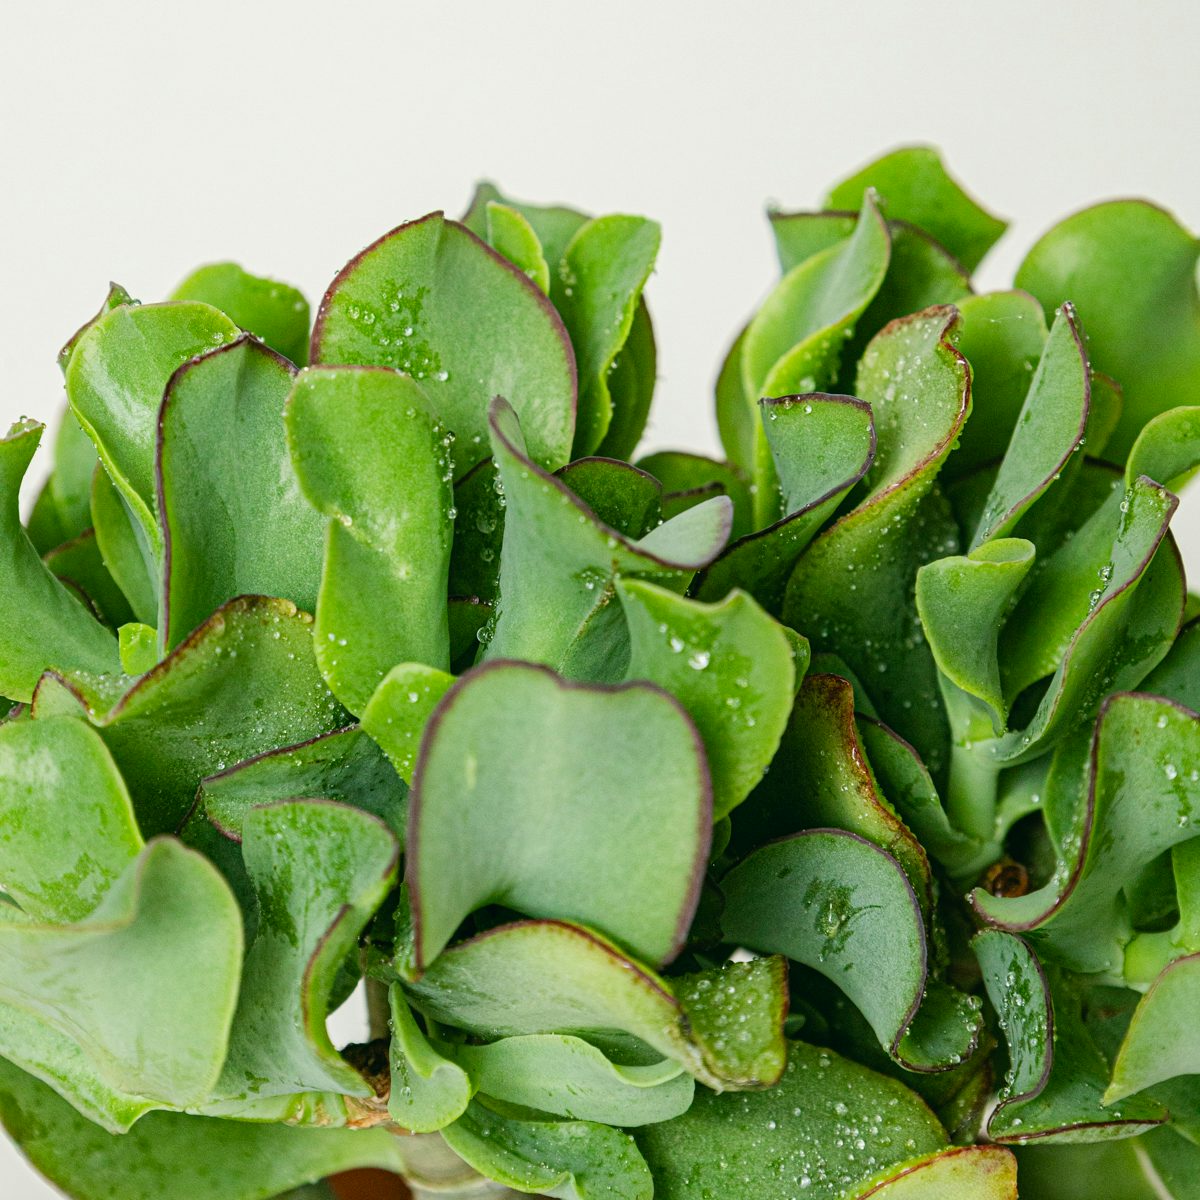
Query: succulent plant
x=816, y=823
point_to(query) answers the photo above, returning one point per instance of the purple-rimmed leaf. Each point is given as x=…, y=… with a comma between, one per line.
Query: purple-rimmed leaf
x=376, y=464
x=509, y=233
x=913, y=185
x=981, y=1172
x=1177, y=677
x=732, y=667
x=507, y=808
x=274, y=312
x=837, y=903
x=427, y=1090
x=1140, y=796
x=1054, y=1090
x=232, y=518
x=400, y=709
x=541, y=977
x=829, y=1126
x=80, y=565
x=319, y=870
x=45, y=625
x=821, y=445
x=563, y=562
x=243, y=683
x=62, y=510
x=852, y=591
x=1130, y=269
x=121, y=549
x=117, y=1043
x=623, y=496
x=432, y=300
x=689, y=479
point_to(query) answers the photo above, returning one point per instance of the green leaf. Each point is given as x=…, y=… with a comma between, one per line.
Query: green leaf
x=829, y=1125
x=1002, y=336
x=372, y=460
x=622, y=496
x=400, y=709
x=838, y=904
x=1082, y=1172
x=1140, y=797
x=170, y=1154
x=1177, y=677
x=44, y=624
x=1049, y=430
x=554, y=224
x=243, y=683
x=541, y=977
x=68, y=490
x=689, y=479
x=821, y=746
x=821, y=446
x=913, y=185
x=510, y=234
x=319, y=870
x=597, y=287
x=432, y=300
x=117, y=538
x=852, y=591
x=631, y=385
x=116, y=378
x=569, y=1077
x=67, y=829
x=573, y=1160
x=274, y=312
x=1130, y=269
x=1154, y=1050
x=116, y=1043
x=507, y=809
x=139, y=647
x=115, y=297
x=981, y=1172
x=346, y=766
x=1057, y=1075
x=563, y=562
x=232, y=517
x=428, y=1091
x=730, y=666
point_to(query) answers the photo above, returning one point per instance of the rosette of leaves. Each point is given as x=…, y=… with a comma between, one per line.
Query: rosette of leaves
x=816, y=822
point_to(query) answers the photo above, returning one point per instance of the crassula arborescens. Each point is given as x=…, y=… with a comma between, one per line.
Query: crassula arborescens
x=815, y=823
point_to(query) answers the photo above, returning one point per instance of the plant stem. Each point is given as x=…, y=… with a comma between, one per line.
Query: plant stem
x=434, y=1172
x=971, y=803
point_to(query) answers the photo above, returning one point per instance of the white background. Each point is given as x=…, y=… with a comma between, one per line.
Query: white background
x=140, y=139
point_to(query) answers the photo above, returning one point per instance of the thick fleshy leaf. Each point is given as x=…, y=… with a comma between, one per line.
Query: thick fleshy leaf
x=913, y=185
x=1057, y=1075
x=597, y=287
x=44, y=624
x=243, y=683
x=689, y=479
x=1049, y=430
x=153, y=1034
x=567, y=1076
x=852, y=591
x=1002, y=336
x=821, y=446
x=563, y=562
x=346, y=766
x=838, y=904
x=274, y=312
x=1178, y=675
x=510, y=234
x=554, y=224
x=1141, y=795
x=115, y=383
x=1130, y=269
x=427, y=1091
x=540, y=977
x=115, y=297
x=67, y=829
x=821, y=777
x=434, y=301
x=400, y=709
x=120, y=548
x=828, y=1126
x=504, y=809
x=631, y=386
x=980, y=1172
x=371, y=459
x=232, y=516
x=622, y=496
x=1158, y=1046
x=479, y=506
x=571, y=1160
x=794, y=342
x=319, y=870
x=730, y=665
x=171, y=1154
x=63, y=510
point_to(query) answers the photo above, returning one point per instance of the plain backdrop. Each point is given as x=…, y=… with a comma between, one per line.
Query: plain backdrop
x=140, y=139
